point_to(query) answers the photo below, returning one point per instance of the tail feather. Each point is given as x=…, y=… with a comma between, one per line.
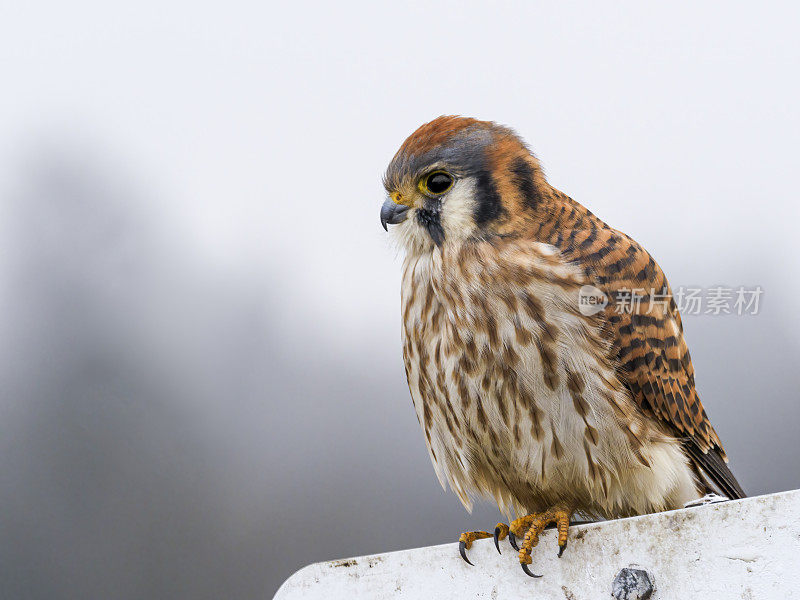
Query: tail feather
x=713, y=466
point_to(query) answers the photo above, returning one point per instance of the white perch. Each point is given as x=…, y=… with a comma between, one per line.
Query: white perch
x=741, y=549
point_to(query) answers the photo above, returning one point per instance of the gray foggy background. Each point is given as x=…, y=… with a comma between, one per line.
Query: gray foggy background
x=201, y=386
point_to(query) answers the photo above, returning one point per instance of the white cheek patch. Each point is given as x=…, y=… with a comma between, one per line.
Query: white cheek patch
x=411, y=236
x=456, y=217
x=458, y=210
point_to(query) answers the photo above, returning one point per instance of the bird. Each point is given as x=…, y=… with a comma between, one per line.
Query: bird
x=537, y=386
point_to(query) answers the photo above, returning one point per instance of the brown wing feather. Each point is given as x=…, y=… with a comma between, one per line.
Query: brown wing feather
x=648, y=340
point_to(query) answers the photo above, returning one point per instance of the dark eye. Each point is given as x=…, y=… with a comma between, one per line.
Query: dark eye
x=437, y=183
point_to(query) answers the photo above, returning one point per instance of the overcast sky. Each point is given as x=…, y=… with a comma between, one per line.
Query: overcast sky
x=201, y=386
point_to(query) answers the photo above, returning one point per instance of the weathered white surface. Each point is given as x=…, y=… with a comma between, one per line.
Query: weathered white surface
x=741, y=549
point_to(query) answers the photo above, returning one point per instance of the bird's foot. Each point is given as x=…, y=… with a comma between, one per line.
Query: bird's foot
x=532, y=526
x=529, y=528
x=466, y=539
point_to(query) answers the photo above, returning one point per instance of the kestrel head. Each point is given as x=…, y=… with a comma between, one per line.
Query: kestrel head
x=456, y=178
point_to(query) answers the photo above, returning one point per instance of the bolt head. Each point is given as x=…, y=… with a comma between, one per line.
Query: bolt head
x=632, y=583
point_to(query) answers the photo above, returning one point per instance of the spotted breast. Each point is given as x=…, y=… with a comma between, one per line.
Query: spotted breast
x=517, y=391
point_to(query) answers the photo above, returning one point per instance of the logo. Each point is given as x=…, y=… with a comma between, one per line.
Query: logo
x=591, y=300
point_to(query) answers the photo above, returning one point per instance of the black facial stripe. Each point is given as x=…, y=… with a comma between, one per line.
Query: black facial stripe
x=429, y=218
x=489, y=206
x=522, y=177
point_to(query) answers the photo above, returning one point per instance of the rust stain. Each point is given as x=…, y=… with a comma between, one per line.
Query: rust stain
x=350, y=562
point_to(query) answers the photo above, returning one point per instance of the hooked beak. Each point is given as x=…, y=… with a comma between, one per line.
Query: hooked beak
x=393, y=213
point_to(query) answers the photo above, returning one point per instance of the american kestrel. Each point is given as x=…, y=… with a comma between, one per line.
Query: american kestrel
x=534, y=383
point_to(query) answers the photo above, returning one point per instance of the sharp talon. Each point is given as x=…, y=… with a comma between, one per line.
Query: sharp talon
x=462, y=549
x=561, y=550
x=512, y=539
x=497, y=539
x=528, y=571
